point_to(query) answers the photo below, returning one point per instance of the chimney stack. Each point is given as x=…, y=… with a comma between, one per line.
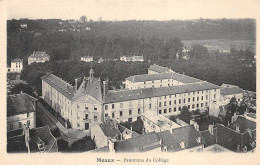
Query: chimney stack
x=104, y=88
x=211, y=129
x=237, y=129
x=76, y=83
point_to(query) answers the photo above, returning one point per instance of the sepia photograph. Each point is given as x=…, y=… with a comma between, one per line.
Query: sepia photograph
x=117, y=82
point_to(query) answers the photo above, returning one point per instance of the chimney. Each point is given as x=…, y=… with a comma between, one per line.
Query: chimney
x=171, y=130
x=211, y=129
x=238, y=148
x=76, y=84
x=182, y=144
x=199, y=139
x=21, y=92
x=131, y=128
x=160, y=141
x=104, y=88
x=237, y=129
x=111, y=146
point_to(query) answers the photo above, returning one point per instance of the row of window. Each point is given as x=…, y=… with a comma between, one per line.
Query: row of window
x=184, y=101
x=121, y=113
x=179, y=108
x=20, y=125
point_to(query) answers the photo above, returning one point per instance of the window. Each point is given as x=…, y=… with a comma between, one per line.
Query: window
x=170, y=102
x=179, y=108
x=170, y=110
x=214, y=96
x=160, y=111
x=130, y=112
x=121, y=105
x=174, y=109
x=165, y=111
x=78, y=125
x=198, y=92
x=206, y=97
x=201, y=97
x=106, y=115
x=86, y=126
x=11, y=127
x=188, y=99
x=144, y=82
x=183, y=100
x=130, y=104
x=139, y=111
x=86, y=107
x=121, y=113
x=150, y=106
x=95, y=107
x=106, y=107
x=160, y=85
x=198, y=98
x=174, y=101
x=206, y=104
x=165, y=104
x=152, y=81
x=113, y=115
x=28, y=122
x=179, y=101
x=20, y=125
x=197, y=105
x=188, y=106
x=165, y=97
x=193, y=99
x=28, y=114
x=160, y=104
x=95, y=117
x=113, y=106
x=201, y=104
x=170, y=96
x=193, y=106
x=130, y=120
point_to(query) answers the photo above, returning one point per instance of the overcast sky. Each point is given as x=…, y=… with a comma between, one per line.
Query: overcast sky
x=131, y=9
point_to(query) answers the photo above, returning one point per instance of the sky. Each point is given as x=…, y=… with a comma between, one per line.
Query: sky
x=131, y=9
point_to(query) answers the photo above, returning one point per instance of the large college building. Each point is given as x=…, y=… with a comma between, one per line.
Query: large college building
x=161, y=91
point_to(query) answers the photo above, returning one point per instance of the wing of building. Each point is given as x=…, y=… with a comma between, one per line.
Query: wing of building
x=163, y=93
x=38, y=57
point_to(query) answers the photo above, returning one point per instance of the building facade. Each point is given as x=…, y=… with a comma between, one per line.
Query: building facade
x=87, y=59
x=20, y=111
x=38, y=57
x=16, y=65
x=92, y=103
x=132, y=58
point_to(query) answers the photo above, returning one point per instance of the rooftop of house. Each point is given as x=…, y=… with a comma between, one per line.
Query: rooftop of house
x=227, y=89
x=20, y=104
x=17, y=60
x=161, y=121
x=243, y=124
x=159, y=69
x=126, y=95
x=209, y=138
x=123, y=129
x=139, y=143
x=40, y=134
x=39, y=54
x=110, y=129
x=161, y=76
x=187, y=135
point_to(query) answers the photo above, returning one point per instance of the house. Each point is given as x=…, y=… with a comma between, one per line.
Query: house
x=155, y=69
x=157, y=123
x=23, y=26
x=20, y=110
x=16, y=65
x=132, y=58
x=32, y=140
x=186, y=138
x=228, y=91
x=100, y=60
x=38, y=57
x=87, y=58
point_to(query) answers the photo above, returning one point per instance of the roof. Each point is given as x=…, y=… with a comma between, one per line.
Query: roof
x=60, y=85
x=90, y=86
x=20, y=104
x=141, y=143
x=109, y=127
x=243, y=124
x=210, y=139
x=159, y=69
x=161, y=76
x=126, y=95
x=17, y=60
x=123, y=129
x=252, y=115
x=230, y=90
x=186, y=134
x=38, y=54
x=138, y=57
x=45, y=135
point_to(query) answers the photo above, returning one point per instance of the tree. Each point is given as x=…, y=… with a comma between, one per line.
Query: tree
x=83, y=145
x=63, y=145
x=232, y=106
x=83, y=19
x=185, y=114
x=198, y=52
x=25, y=88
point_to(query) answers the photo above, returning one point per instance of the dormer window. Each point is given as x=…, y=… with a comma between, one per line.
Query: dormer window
x=199, y=139
x=182, y=144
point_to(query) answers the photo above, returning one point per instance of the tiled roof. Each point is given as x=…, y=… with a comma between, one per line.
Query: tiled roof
x=39, y=54
x=208, y=137
x=91, y=87
x=187, y=134
x=139, y=143
x=109, y=127
x=243, y=124
x=161, y=76
x=19, y=104
x=45, y=135
x=159, y=69
x=252, y=115
x=230, y=90
x=17, y=60
x=60, y=85
x=126, y=95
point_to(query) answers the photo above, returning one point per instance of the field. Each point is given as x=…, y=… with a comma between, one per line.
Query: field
x=222, y=45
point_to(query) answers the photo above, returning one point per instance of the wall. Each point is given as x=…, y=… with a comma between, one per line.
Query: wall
x=21, y=118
